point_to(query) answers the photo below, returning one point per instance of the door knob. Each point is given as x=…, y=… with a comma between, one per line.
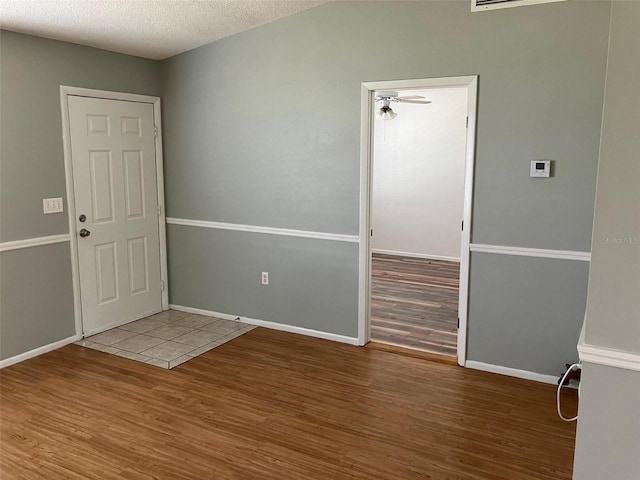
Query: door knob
x=84, y=233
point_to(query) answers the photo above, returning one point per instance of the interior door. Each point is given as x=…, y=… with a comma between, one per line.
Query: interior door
x=116, y=202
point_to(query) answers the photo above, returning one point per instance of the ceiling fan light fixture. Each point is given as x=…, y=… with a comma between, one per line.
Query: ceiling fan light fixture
x=386, y=113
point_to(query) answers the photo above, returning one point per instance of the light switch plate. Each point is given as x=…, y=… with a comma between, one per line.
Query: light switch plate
x=52, y=205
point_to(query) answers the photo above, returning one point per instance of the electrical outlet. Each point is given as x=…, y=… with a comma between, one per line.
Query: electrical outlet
x=265, y=278
x=52, y=205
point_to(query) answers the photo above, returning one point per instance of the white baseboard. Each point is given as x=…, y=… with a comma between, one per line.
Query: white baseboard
x=415, y=255
x=267, y=324
x=206, y=313
x=512, y=372
x=38, y=351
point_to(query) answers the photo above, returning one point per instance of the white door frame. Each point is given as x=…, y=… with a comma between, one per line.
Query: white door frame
x=366, y=153
x=65, y=93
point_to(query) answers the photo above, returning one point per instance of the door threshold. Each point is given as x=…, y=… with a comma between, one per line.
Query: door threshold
x=411, y=352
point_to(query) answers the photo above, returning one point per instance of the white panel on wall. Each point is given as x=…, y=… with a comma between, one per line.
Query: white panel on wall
x=418, y=175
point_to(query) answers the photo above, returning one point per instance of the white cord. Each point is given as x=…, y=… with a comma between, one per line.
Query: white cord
x=573, y=367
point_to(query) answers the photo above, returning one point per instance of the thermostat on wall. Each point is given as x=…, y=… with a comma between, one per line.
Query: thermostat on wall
x=540, y=168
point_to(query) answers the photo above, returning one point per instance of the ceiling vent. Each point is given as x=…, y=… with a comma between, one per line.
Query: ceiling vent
x=481, y=5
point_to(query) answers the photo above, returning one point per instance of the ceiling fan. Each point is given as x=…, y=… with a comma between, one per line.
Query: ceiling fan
x=386, y=112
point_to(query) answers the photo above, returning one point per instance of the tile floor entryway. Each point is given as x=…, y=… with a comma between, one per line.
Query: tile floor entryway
x=166, y=339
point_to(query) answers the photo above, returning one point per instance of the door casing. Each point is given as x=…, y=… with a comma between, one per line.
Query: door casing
x=366, y=153
x=65, y=92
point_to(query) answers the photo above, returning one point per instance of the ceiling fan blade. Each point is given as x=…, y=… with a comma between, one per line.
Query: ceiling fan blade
x=422, y=102
x=411, y=97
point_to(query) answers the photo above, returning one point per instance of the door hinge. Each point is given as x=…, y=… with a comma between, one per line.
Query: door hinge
x=467, y=125
x=159, y=209
x=372, y=232
x=462, y=226
x=155, y=131
x=458, y=322
x=162, y=290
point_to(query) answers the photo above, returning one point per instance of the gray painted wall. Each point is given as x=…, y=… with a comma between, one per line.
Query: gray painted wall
x=613, y=318
x=318, y=278
x=36, y=298
x=608, y=433
x=525, y=312
x=34, y=313
x=31, y=153
x=263, y=128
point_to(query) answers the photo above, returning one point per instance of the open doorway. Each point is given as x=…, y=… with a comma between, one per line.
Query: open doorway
x=417, y=200
x=417, y=181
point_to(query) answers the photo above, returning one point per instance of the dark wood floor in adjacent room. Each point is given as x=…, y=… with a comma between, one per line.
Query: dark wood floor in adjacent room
x=275, y=405
x=414, y=303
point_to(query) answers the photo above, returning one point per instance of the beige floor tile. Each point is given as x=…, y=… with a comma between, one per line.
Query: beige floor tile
x=206, y=348
x=133, y=356
x=103, y=348
x=227, y=328
x=193, y=321
x=217, y=323
x=110, y=337
x=139, y=343
x=179, y=361
x=169, y=315
x=198, y=338
x=234, y=334
x=144, y=325
x=166, y=339
x=158, y=363
x=168, y=331
x=168, y=351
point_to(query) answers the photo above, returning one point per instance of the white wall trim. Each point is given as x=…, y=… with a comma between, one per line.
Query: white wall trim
x=34, y=242
x=338, y=237
x=267, y=324
x=65, y=93
x=609, y=357
x=532, y=252
x=367, y=92
x=512, y=372
x=38, y=351
x=507, y=4
x=89, y=92
x=415, y=255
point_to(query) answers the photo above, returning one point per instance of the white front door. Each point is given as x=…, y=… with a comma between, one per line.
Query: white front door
x=116, y=203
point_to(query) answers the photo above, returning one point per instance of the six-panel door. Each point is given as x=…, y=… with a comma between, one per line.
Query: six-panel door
x=114, y=179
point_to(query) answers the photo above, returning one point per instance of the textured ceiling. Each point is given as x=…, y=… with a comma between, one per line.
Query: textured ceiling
x=147, y=28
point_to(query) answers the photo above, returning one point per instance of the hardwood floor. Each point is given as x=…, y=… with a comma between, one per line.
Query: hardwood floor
x=275, y=405
x=414, y=303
